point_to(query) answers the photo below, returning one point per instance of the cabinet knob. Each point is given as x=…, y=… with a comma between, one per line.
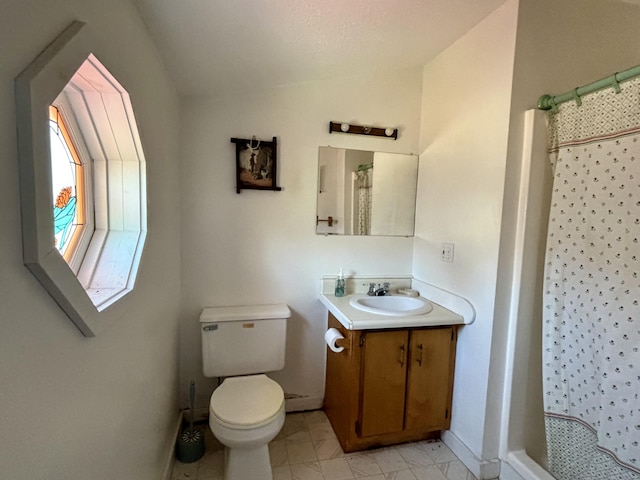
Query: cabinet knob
x=402, y=355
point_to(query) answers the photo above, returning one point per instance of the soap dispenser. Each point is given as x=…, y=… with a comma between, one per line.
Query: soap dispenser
x=340, y=285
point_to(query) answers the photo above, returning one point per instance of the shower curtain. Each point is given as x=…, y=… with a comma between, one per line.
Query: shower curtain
x=365, y=181
x=591, y=319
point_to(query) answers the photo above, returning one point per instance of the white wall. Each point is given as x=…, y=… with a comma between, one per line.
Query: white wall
x=465, y=119
x=260, y=246
x=104, y=407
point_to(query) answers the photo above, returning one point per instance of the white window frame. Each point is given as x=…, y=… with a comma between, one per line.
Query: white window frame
x=101, y=115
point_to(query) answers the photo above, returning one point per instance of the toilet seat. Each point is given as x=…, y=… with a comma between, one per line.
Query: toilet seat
x=247, y=402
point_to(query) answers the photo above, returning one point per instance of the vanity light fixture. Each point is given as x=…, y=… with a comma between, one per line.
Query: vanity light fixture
x=342, y=127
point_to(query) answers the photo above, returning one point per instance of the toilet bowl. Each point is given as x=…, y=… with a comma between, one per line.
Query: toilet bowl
x=245, y=414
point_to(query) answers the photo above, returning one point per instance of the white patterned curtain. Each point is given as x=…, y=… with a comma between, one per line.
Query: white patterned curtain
x=591, y=328
x=365, y=181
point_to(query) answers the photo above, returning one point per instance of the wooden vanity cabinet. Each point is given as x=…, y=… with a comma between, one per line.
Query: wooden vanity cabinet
x=390, y=386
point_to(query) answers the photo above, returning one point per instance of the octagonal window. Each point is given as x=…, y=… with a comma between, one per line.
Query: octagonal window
x=78, y=141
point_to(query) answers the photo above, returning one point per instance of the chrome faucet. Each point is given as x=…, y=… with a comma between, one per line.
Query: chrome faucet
x=380, y=291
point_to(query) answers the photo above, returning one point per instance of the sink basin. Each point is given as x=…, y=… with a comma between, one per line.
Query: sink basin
x=396, y=306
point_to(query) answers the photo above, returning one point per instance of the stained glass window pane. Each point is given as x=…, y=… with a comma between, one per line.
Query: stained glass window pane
x=67, y=182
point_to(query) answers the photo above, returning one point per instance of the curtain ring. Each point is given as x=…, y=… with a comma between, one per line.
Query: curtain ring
x=576, y=97
x=614, y=83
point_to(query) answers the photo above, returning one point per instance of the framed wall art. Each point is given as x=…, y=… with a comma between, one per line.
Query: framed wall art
x=256, y=164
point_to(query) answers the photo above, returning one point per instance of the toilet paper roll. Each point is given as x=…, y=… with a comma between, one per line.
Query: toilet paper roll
x=330, y=338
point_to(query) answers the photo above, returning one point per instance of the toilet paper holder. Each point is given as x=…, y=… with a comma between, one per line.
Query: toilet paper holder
x=335, y=340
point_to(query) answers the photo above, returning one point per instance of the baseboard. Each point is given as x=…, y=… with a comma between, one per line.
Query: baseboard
x=301, y=404
x=482, y=469
x=519, y=466
x=166, y=475
x=199, y=414
x=508, y=473
x=293, y=403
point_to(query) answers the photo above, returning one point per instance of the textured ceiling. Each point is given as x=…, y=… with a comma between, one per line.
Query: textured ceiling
x=220, y=46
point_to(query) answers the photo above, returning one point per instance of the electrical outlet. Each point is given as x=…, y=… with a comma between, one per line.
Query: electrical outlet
x=447, y=252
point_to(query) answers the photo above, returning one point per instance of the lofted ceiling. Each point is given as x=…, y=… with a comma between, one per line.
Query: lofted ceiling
x=223, y=46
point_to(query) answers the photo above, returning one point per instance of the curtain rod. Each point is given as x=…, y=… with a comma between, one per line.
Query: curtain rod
x=549, y=102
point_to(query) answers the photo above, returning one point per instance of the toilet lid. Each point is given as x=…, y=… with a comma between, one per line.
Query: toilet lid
x=245, y=401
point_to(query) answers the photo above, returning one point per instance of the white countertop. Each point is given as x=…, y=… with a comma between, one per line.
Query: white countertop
x=354, y=319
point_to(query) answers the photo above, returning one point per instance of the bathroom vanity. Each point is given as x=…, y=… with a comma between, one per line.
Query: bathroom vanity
x=390, y=384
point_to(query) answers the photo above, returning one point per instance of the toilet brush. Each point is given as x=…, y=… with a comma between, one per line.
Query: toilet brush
x=190, y=446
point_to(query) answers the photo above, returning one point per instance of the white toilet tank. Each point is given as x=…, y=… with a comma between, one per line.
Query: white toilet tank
x=243, y=340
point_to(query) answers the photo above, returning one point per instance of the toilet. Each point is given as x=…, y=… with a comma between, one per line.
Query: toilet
x=246, y=411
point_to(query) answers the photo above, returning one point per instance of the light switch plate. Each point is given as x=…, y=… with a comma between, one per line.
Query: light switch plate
x=447, y=252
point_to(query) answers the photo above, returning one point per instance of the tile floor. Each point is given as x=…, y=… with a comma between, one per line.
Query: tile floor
x=307, y=449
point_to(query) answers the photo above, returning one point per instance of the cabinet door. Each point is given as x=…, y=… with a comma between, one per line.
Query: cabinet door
x=384, y=377
x=342, y=393
x=430, y=378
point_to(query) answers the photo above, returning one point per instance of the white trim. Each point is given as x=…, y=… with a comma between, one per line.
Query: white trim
x=449, y=300
x=482, y=469
x=36, y=88
x=519, y=466
x=303, y=404
x=516, y=463
x=293, y=404
x=171, y=454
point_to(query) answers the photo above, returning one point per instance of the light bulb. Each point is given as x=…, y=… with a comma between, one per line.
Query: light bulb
x=389, y=132
x=344, y=127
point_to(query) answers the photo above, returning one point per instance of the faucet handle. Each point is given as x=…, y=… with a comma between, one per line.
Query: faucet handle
x=372, y=289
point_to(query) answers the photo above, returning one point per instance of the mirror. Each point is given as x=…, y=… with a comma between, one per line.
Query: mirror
x=366, y=193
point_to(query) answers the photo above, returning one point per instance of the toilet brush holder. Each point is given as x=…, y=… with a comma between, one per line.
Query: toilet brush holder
x=190, y=445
